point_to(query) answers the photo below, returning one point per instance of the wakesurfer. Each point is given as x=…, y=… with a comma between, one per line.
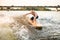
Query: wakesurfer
x=34, y=17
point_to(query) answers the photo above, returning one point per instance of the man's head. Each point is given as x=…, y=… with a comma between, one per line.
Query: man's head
x=32, y=11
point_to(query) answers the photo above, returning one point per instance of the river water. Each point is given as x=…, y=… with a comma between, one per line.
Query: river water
x=50, y=21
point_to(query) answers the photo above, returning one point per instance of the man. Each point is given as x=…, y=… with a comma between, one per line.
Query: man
x=35, y=16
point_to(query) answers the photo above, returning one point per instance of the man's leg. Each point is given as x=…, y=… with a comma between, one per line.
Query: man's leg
x=34, y=21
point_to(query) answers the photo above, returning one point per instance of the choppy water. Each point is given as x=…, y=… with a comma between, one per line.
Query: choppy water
x=50, y=21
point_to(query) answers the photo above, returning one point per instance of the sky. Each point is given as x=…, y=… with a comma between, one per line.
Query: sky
x=29, y=2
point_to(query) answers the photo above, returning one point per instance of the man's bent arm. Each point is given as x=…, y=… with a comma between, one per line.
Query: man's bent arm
x=27, y=14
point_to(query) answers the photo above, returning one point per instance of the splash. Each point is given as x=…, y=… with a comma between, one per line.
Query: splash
x=24, y=31
x=22, y=20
